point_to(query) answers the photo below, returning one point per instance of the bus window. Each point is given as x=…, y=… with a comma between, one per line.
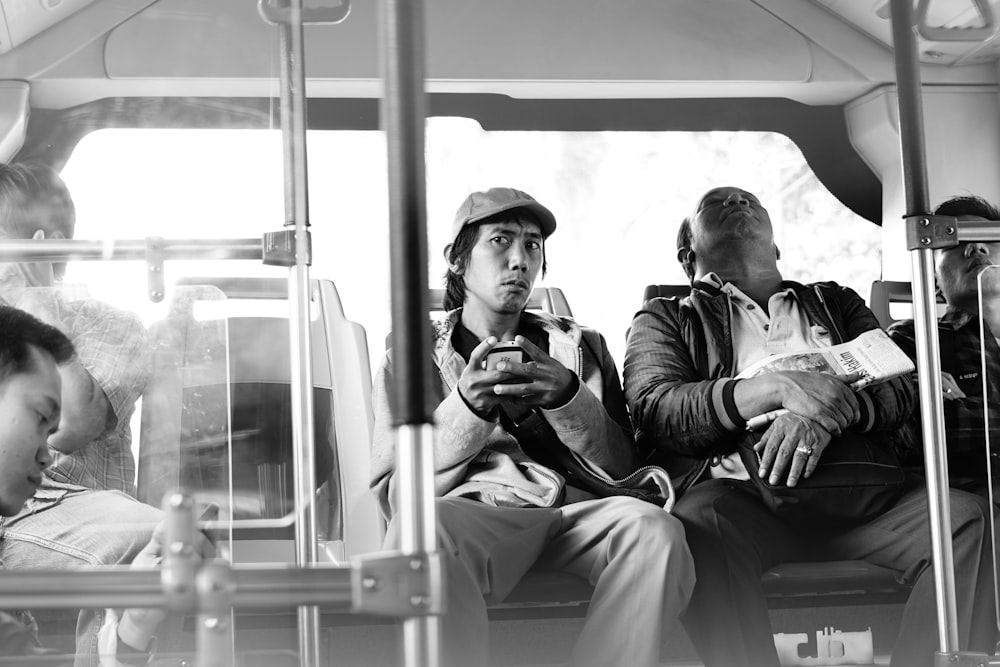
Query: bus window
x=618, y=196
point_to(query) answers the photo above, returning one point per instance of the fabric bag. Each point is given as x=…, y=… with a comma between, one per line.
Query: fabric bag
x=855, y=481
x=539, y=440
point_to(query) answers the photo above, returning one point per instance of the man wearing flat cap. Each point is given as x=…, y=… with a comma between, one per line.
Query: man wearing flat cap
x=528, y=454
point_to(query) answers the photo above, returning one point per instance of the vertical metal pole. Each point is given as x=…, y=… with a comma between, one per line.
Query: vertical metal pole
x=911, y=139
x=293, y=128
x=403, y=118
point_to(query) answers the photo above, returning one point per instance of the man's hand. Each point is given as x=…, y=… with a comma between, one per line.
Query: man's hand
x=542, y=382
x=138, y=625
x=476, y=384
x=825, y=399
x=790, y=449
x=950, y=388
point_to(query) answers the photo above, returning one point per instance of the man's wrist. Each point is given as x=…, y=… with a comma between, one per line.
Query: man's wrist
x=128, y=654
x=134, y=644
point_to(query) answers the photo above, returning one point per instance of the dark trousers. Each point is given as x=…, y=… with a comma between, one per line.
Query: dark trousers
x=734, y=538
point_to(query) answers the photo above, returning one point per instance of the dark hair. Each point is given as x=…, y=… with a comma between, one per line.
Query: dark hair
x=684, y=246
x=460, y=250
x=18, y=331
x=33, y=197
x=968, y=205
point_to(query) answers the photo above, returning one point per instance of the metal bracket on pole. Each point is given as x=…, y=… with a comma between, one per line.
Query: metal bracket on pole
x=280, y=248
x=931, y=232
x=180, y=562
x=278, y=12
x=215, y=600
x=154, y=268
x=397, y=585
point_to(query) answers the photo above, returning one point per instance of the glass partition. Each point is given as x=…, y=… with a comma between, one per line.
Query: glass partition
x=987, y=404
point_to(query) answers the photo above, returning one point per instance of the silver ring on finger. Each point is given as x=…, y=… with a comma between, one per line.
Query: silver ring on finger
x=805, y=450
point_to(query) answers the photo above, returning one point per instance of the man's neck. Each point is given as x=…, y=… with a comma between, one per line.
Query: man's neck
x=757, y=282
x=991, y=315
x=970, y=307
x=484, y=323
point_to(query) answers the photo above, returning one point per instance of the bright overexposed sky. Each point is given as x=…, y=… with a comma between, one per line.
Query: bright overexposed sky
x=618, y=198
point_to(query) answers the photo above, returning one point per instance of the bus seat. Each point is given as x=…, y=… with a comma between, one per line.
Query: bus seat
x=653, y=291
x=789, y=585
x=836, y=582
x=222, y=379
x=546, y=299
x=886, y=293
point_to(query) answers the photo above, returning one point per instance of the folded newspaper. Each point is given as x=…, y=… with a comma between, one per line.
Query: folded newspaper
x=873, y=354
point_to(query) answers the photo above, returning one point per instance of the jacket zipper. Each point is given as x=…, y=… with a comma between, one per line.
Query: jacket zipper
x=829, y=316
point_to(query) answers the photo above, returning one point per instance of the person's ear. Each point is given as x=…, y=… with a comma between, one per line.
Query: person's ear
x=39, y=235
x=454, y=267
x=685, y=256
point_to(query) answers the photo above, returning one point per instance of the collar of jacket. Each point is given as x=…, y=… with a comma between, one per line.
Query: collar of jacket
x=564, y=342
x=956, y=318
x=812, y=298
x=712, y=290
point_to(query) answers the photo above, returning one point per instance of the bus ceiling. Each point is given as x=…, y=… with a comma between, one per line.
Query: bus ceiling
x=819, y=71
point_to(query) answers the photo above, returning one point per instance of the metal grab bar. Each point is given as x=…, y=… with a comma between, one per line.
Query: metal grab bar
x=914, y=163
x=271, y=12
x=943, y=34
x=64, y=250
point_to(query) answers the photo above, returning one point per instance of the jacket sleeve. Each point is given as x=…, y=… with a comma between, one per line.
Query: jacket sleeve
x=673, y=406
x=459, y=436
x=594, y=423
x=963, y=417
x=887, y=406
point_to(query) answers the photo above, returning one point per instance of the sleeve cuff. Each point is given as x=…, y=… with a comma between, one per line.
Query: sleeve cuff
x=492, y=416
x=867, y=420
x=724, y=405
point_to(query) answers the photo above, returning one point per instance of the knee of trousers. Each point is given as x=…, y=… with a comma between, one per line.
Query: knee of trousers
x=652, y=528
x=968, y=511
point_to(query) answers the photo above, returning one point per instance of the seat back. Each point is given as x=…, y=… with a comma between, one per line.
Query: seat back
x=547, y=299
x=892, y=300
x=653, y=291
x=217, y=414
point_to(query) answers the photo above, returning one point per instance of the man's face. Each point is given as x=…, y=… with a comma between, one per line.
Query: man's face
x=29, y=414
x=503, y=264
x=729, y=214
x=958, y=268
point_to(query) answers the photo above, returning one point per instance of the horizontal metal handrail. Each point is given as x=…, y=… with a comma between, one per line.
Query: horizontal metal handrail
x=976, y=230
x=382, y=584
x=60, y=250
x=257, y=587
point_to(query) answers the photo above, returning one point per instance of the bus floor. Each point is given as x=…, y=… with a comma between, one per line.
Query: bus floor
x=269, y=638
x=536, y=642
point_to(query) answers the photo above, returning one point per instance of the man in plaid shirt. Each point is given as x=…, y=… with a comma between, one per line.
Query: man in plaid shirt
x=958, y=272
x=83, y=513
